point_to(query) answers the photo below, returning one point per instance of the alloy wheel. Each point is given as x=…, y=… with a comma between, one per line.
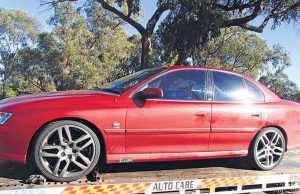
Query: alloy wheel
x=270, y=148
x=67, y=151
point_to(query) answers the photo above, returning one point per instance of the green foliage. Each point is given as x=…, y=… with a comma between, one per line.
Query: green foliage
x=17, y=30
x=240, y=50
x=132, y=6
x=88, y=46
x=11, y=92
x=190, y=24
x=186, y=27
x=76, y=68
x=117, y=53
x=246, y=52
x=280, y=84
x=30, y=75
x=80, y=52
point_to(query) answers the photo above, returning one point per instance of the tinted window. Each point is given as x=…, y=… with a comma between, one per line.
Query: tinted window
x=182, y=85
x=254, y=93
x=229, y=87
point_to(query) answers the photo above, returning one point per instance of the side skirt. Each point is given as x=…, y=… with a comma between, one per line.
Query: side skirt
x=151, y=157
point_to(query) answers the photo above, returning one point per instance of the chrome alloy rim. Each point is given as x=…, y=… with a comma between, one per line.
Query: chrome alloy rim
x=67, y=151
x=270, y=149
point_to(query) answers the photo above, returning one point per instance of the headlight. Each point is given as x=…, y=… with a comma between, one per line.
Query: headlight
x=4, y=116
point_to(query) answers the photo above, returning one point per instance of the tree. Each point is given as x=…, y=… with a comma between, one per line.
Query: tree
x=118, y=53
x=36, y=65
x=17, y=30
x=297, y=96
x=280, y=84
x=127, y=11
x=191, y=23
x=243, y=51
x=76, y=66
x=79, y=53
x=31, y=74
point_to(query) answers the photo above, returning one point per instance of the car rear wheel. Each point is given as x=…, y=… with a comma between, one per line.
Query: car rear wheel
x=268, y=149
x=66, y=151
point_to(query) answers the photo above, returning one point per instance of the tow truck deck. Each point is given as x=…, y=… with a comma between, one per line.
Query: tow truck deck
x=199, y=176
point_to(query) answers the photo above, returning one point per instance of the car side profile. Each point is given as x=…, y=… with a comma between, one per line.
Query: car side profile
x=157, y=114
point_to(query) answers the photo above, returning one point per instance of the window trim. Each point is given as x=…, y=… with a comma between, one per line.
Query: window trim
x=210, y=86
x=138, y=89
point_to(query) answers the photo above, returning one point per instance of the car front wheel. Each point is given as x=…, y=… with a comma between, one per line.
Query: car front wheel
x=66, y=151
x=267, y=149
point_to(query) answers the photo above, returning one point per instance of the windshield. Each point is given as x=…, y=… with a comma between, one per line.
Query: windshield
x=123, y=84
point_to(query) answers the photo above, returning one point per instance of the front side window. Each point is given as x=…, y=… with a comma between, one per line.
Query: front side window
x=182, y=85
x=229, y=87
x=255, y=94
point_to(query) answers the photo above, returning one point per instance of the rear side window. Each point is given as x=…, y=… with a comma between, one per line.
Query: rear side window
x=254, y=93
x=229, y=87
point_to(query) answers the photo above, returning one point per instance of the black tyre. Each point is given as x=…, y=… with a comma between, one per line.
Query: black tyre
x=267, y=149
x=66, y=151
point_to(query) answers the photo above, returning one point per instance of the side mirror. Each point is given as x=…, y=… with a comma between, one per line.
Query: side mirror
x=151, y=93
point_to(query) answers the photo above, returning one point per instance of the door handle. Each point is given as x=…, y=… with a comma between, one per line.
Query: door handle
x=201, y=114
x=258, y=114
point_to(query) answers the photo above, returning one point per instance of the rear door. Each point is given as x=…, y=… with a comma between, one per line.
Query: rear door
x=179, y=122
x=236, y=114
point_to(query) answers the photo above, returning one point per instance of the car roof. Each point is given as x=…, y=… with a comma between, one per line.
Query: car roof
x=203, y=67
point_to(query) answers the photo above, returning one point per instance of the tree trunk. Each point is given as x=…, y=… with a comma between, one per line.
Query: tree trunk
x=145, y=54
x=4, y=87
x=184, y=55
x=181, y=59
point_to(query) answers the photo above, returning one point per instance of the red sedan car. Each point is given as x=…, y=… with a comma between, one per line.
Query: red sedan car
x=159, y=114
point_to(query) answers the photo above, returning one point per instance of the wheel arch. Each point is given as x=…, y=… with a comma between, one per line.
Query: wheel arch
x=89, y=124
x=275, y=126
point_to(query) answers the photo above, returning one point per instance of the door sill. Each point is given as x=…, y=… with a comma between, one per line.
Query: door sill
x=152, y=157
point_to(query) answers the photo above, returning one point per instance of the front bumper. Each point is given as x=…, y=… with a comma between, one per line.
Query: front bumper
x=14, y=143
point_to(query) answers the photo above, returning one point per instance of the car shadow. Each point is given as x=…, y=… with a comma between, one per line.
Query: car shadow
x=232, y=163
x=15, y=172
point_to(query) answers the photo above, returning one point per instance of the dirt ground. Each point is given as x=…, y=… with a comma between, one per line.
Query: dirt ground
x=160, y=171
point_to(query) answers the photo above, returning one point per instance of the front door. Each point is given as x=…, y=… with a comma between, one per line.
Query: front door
x=177, y=123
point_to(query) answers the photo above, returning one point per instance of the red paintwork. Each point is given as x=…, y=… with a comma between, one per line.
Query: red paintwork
x=167, y=126
x=158, y=130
